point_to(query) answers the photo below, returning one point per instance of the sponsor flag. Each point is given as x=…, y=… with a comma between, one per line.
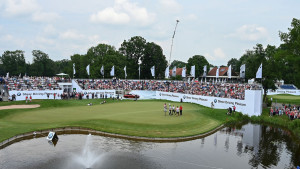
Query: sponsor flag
x=139, y=71
x=242, y=71
x=102, y=70
x=74, y=71
x=229, y=72
x=183, y=74
x=153, y=71
x=167, y=72
x=259, y=72
x=217, y=73
x=125, y=72
x=174, y=71
x=88, y=69
x=204, y=71
x=112, y=72
x=192, y=71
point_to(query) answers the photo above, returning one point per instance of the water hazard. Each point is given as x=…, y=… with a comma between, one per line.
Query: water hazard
x=247, y=146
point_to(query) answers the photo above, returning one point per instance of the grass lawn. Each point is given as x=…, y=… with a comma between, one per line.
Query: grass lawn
x=135, y=118
x=285, y=98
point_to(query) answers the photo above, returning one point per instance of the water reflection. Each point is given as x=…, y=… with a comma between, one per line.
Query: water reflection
x=242, y=146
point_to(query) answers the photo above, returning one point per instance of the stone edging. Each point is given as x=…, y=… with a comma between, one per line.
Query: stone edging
x=81, y=130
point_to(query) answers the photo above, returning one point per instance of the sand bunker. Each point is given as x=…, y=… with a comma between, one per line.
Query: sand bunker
x=20, y=106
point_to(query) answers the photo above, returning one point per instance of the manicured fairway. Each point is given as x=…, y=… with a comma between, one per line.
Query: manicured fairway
x=138, y=118
x=285, y=98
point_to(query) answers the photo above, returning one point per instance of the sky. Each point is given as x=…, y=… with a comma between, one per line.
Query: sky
x=217, y=29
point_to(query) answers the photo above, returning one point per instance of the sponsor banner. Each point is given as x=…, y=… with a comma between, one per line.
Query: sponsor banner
x=21, y=95
x=280, y=91
x=246, y=106
x=99, y=93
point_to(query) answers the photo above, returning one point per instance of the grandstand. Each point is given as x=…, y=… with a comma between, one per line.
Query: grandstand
x=288, y=87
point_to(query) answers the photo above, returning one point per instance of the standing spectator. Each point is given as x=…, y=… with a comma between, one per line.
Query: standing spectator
x=26, y=98
x=180, y=108
x=30, y=98
x=177, y=111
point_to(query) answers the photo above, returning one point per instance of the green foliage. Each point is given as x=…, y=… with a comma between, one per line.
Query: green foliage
x=199, y=62
x=42, y=65
x=178, y=64
x=234, y=64
x=13, y=62
x=290, y=53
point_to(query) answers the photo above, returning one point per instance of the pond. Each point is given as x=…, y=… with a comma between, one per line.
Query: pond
x=246, y=146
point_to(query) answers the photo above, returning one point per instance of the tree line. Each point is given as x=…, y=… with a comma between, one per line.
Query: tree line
x=278, y=62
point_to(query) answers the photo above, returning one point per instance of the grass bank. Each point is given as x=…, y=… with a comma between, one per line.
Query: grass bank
x=280, y=121
x=133, y=118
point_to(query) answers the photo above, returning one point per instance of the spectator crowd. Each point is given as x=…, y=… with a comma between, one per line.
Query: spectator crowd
x=224, y=90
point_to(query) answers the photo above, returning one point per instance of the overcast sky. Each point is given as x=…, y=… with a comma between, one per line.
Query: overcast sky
x=217, y=29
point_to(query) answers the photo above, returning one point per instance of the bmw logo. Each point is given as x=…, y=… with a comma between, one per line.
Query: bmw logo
x=85, y=92
x=19, y=94
x=184, y=97
x=50, y=135
x=159, y=94
x=215, y=100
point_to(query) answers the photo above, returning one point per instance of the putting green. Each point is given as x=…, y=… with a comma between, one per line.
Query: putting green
x=285, y=98
x=141, y=118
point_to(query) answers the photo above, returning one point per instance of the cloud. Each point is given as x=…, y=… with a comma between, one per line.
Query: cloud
x=45, y=16
x=19, y=7
x=250, y=33
x=71, y=35
x=27, y=8
x=44, y=40
x=170, y=5
x=217, y=57
x=192, y=17
x=110, y=16
x=15, y=41
x=123, y=12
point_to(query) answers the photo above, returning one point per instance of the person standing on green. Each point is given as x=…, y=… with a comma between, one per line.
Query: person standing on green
x=180, y=108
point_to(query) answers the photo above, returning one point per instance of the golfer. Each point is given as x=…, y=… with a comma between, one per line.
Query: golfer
x=165, y=109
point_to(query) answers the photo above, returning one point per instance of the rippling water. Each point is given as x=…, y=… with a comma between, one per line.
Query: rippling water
x=247, y=146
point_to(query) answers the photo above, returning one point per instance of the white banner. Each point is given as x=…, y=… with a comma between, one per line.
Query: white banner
x=21, y=95
x=192, y=72
x=174, y=71
x=251, y=105
x=88, y=69
x=183, y=73
x=229, y=72
x=259, y=72
x=282, y=91
x=112, y=72
x=153, y=71
x=167, y=72
x=99, y=93
x=242, y=71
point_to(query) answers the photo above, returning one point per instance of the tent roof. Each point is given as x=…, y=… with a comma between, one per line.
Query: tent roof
x=62, y=74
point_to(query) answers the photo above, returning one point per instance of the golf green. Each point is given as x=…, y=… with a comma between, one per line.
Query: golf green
x=285, y=98
x=133, y=118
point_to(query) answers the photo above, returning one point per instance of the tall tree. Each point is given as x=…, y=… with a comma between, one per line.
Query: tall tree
x=234, y=64
x=42, y=65
x=13, y=62
x=199, y=61
x=134, y=51
x=153, y=57
x=290, y=52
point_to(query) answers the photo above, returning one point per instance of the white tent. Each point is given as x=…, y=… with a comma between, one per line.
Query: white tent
x=62, y=74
